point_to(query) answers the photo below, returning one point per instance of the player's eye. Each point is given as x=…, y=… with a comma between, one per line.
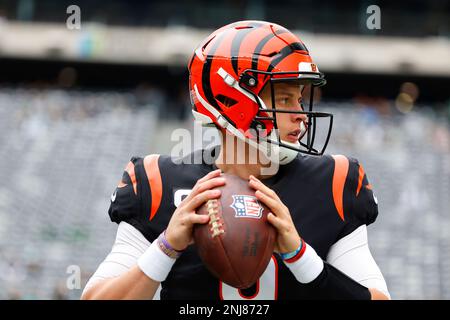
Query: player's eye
x=282, y=100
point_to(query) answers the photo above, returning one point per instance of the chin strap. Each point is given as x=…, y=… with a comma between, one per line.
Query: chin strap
x=286, y=154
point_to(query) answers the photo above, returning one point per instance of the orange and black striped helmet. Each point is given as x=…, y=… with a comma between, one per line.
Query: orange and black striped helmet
x=229, y=69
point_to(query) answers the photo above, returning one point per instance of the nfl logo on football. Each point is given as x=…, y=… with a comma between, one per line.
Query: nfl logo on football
x=246, y=207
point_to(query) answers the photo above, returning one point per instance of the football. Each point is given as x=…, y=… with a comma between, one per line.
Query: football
x=237, y=243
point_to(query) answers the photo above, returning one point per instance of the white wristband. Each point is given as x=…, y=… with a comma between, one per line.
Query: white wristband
x=308, y=267
x=155, y=263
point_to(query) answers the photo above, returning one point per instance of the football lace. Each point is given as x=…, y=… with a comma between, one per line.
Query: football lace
x=214, y=221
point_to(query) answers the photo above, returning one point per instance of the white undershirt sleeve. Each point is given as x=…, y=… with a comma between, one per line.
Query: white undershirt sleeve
x=352, y=256
x=129, y=245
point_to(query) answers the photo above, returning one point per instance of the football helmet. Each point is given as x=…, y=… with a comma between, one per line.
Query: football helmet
x=231, y=67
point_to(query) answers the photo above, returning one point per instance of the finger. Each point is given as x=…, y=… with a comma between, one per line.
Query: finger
x=201, y=198
x=258, y=185
x=197, y=218
x=210, y=175
x=206, y=185
x=279, y=224
x=210, y=184
x=274, y=220
x=197, y=187
x=274, y=205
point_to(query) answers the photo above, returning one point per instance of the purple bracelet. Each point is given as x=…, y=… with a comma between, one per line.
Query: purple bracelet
x=166, y=247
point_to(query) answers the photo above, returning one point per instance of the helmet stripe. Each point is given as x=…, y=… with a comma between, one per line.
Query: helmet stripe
x=236, y=45
x=206, y=72
x=286, y=51
x=260, y=46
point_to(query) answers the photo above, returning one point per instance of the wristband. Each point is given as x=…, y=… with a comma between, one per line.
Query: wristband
x=158, y=259
x=306, y=265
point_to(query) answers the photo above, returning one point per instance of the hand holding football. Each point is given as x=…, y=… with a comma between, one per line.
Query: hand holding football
x=237, y=243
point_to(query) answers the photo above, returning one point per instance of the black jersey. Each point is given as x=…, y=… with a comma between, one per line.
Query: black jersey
x=328, y=198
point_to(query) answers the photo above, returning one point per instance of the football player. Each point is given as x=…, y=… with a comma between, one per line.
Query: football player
x=254, y=81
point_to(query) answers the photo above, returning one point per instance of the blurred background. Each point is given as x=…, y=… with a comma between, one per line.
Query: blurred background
x=77, y=103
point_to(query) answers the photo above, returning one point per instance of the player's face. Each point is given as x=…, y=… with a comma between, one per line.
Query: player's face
x=288, y=96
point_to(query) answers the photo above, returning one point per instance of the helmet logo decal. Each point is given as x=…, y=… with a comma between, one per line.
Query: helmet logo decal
x=307, y=67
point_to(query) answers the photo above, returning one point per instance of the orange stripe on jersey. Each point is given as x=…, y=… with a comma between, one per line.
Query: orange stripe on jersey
x=130, y=170
x=340, y=174
x=154, y=181
x=360, y=179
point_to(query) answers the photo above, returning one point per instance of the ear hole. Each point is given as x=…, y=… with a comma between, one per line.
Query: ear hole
x=226, y=101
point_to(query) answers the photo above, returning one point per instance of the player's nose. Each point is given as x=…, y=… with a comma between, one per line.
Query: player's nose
x=298, y=117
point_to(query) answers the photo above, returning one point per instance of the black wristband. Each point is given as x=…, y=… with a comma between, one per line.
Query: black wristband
x=333, y=284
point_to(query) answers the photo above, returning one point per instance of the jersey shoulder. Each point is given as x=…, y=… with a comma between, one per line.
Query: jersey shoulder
x=344, y=180
x=350, y=183
x=145, y=195
x=138, y=194
x=342, y=185
x=125, y=198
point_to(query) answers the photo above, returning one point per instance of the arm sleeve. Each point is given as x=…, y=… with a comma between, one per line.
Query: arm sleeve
x=352, y=256
x=129, y=245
